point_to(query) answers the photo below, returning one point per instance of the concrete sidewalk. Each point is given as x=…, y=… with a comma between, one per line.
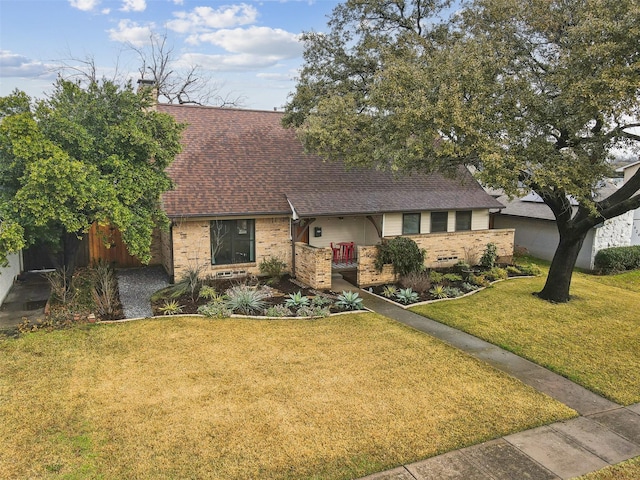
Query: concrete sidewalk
x=604, y=434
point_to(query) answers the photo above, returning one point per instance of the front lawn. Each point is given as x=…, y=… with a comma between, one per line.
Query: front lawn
x=594, y=339
x=181, y=397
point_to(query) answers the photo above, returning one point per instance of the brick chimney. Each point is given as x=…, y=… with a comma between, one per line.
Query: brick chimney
x=149, y=84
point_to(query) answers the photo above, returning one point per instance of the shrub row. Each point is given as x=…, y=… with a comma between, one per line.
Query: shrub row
x=618, y=259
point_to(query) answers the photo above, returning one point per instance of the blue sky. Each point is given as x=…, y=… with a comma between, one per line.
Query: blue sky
x=251, y=49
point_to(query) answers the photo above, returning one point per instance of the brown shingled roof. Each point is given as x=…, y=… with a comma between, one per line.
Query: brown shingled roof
x=243, y=162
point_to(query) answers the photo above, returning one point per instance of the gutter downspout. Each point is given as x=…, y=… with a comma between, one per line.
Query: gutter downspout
x=295, y=219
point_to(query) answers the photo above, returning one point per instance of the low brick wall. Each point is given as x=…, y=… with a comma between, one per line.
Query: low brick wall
x=367, y=273
x=447, y=249
x=313, y=266
x=443, y=250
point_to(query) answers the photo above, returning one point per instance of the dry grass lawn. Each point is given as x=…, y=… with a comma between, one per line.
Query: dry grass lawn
x=185, y=397
x=629, y=470
x=594, y=339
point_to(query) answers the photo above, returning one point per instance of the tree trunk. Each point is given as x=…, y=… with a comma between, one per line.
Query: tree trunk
x=556, y=289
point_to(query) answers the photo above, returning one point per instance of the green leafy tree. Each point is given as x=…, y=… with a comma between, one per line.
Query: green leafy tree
x=534, y=94
x=84, y=155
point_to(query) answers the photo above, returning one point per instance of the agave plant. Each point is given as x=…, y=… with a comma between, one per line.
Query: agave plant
x=438, y=291
x=389, y=291
x=349, y=301
x=407, y=296
x=245, y=300
x=171, y=307
x=297, y=300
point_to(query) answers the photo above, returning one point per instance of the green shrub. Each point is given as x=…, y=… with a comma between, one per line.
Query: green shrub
x=530, y=269
x=489, y=256
x=618, y=259
x=469, y=287
x=403, y=253
x=496, y=273
x=436, y=277
x=321, y=301
x=313, y=312
x=452, y=277
x=214, y=310
x=278, y=311
x=273, y=268
x=479, y=280
x=452, y=292
x=513, y=270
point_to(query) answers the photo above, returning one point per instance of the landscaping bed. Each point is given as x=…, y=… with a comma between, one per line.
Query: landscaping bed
x=438, y=284
x=281, y=296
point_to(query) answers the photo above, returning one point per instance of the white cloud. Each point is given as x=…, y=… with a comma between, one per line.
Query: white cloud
x=229, y=63
x=134, y=5
x=178, y=2
x=276, y=77
x=132, y=32
x=255, y=41
x=15, y=65
x=84, y=5
x=206, y=18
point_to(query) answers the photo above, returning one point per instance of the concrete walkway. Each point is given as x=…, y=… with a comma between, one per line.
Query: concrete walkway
x=604, y=434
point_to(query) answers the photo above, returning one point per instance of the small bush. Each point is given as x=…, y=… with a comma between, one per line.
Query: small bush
x=188, y=284
x=403, y=253
x=513, y=270
x=479, y=280
x=436, y=277
x=278, y=311
x=489, y=256
x=496, y=273
x=452, y=277
x=313, y=312
x=60, y=284
x=452, y=292
x=618, y=259
x=214, y=310
x=273, y=268
x=105, y=290
x=417, y=281
x=208, y=293
x=469, y=287
x=530, y=269
x=321, y=301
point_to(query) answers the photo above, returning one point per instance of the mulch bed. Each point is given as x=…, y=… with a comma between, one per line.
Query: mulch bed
x=281, y=290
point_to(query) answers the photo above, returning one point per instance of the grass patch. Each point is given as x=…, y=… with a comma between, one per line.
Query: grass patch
x=629, y=470
x=335, y=398
x=594, y=339
x=627, y=280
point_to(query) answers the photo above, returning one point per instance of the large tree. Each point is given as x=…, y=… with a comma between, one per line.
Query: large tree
x=534, y=94
x=84, y=155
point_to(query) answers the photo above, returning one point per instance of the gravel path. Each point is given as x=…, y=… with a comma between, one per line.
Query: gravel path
x=136, y=286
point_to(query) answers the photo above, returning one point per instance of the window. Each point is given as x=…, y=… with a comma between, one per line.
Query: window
x=463, y=220
x=410, y=223
x=232, y=241
x=439, y=221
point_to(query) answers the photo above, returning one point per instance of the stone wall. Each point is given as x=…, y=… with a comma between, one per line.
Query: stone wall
x=447, y=249
x=166, y=255
x=192, y=247
x=443, y=250
x=313, y=266
x=367, y=273
x=615, y=232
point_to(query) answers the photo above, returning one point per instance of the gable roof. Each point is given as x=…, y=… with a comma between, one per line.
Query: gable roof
x=532, y=205
x=244, y=162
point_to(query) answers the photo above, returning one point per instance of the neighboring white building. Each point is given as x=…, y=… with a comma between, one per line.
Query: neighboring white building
x=536, y=228
x=629, y=171
x=9, y=273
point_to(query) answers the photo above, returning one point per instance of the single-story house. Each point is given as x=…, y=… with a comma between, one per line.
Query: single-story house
x=536, y=229
x=628, y=172
x=246, y=190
